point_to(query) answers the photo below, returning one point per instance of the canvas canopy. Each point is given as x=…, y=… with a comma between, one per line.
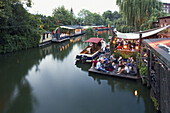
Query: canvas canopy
x=94, y=40
x=132, y=36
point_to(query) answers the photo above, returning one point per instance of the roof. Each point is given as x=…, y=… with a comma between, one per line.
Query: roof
x=164, y=17
x=86, y=27
x=67, y=27
x=145, y=34
x=167, y=3
x=94, y=40
x=161, y=48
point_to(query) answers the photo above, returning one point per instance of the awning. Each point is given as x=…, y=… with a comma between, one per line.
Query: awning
x=132, y=36
x=94, y=40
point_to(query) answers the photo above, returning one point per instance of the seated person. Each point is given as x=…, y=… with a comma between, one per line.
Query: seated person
x=94, y=62
x=114, y=65
x=105, y=60
x=120, y=66
x=99, y=67
x=109, y=66
x=119, y=47
x=132, y=60
x=120, y=58
x=125, y=69
x=130, y=65
x=112, y=58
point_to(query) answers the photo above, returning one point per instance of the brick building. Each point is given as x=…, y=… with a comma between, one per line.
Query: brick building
x=164, y=21
x=166, y=7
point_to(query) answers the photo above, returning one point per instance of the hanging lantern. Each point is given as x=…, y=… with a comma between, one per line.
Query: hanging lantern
x=125, y=46
x=114, y=42
x=136, y=47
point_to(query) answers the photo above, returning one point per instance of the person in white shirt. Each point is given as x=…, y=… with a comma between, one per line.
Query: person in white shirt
x=125, y=69
x=99, y=67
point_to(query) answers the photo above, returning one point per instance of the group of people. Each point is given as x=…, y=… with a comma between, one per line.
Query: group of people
x=109, y=64
x=130, y=45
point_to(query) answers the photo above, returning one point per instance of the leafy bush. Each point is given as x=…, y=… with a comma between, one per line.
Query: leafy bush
x=143, y=70
x=155, y=103
x=125, y=55
x=90, y=31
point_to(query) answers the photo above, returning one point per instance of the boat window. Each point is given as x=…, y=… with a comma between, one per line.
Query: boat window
x=99, y=44
x=90, y=44
x=43, y=36
x=47, y=35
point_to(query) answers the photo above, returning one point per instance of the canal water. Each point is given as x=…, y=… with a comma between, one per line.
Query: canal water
x=48, y=80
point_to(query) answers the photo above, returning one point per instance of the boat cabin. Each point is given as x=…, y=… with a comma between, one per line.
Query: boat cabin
x=92, y=50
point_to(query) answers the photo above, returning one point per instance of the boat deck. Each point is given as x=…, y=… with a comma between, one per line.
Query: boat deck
x=45, y=41
x=92, y=49
x=114, y=74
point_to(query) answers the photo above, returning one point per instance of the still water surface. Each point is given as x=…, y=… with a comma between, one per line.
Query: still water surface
x=48, y=80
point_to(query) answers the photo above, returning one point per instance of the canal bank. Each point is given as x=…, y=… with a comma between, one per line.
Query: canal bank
x=48, y=80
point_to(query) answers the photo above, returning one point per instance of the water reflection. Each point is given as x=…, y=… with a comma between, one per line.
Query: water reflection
x=131, y=86
x=48, y=80
x=14, y=87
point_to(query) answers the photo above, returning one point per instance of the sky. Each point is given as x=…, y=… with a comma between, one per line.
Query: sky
x=46, y=7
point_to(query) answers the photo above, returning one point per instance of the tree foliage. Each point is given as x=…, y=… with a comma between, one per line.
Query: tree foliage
x=97, y=19
x=90, y=32
x=87, y=17
x=137, y=12
x=18, y=29
x=63, y=16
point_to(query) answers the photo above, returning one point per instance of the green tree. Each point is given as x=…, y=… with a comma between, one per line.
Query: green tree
x=18, y=28
x=108, y=14
x=137, y=12
x=108, y=21
x=98, y=20
x=63, y=16
x=87, y=16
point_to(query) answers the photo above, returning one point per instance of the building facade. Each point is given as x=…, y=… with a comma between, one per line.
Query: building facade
x=166, y=7
x=164, y=21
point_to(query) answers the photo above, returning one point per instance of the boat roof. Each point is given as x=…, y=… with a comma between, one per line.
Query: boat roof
x=71, y=27
x=145, y=34
x=94, y=40
x=67, y=27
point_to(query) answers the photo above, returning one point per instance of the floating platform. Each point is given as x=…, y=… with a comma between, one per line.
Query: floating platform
x=114, y=74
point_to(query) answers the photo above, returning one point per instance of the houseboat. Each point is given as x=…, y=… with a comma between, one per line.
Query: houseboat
x=63, y=33
x=92, y=51
x=46, y=38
